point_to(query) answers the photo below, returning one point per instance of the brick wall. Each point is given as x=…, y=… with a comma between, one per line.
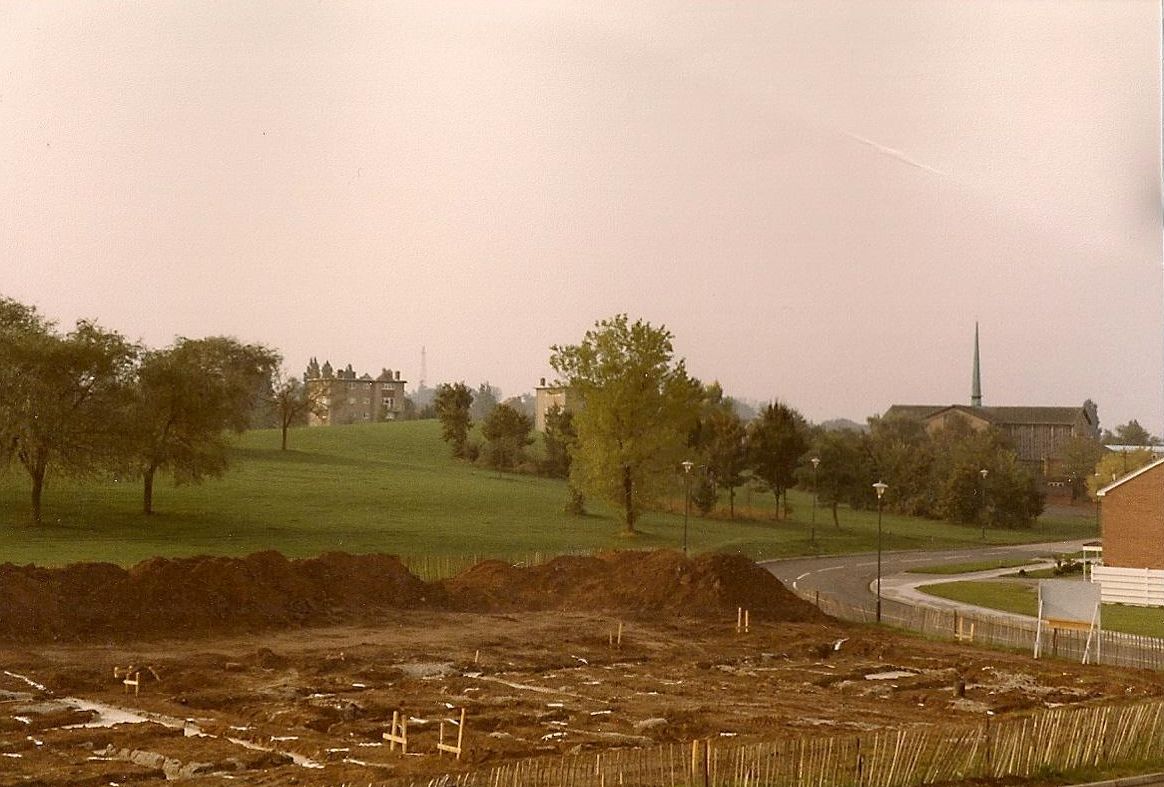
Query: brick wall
x=1132, y=521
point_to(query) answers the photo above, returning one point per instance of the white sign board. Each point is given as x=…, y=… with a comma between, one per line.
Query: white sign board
x=1068, y=600
x=1066, y=603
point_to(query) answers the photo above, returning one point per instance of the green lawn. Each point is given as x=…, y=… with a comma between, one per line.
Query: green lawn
x=394, y=488
x=968, y=568
x=1023, y=598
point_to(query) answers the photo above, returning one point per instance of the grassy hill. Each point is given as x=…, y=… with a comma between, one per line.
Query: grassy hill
x=394, y=488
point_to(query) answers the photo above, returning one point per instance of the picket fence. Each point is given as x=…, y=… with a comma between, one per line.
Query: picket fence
x=1115, y=648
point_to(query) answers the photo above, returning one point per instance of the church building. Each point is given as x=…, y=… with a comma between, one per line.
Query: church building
x=1036, y=433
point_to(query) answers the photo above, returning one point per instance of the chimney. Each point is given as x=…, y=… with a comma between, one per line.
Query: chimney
x=543, y=382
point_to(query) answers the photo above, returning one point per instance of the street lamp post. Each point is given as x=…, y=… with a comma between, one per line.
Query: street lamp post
x=880, y=486
x=687, y=465
x=815, y=465
x=983, y=472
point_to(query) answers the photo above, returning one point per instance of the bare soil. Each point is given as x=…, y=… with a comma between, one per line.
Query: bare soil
x=268, y=671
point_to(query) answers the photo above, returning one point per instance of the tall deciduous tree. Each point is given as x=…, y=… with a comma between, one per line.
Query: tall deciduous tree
x=60, y=396
x=1080, y=455
x=638, y=409
x=188, y=397
x=293, y=401
x=485, y=398
x=725, y=445
x=452, y=403
x=844, y=470
x=1114, y=465
x=777, y=438
x=1131, y=433
x=507, y=434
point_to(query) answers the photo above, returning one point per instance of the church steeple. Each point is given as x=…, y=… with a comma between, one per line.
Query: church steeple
x=976, y=385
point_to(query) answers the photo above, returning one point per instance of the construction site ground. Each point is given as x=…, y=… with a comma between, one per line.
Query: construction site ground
x=538, y=671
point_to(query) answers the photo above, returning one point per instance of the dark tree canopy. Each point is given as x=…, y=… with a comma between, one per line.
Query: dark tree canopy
x=452, y=404
x=777, y=438
x=187, y=397
x=558, y=440
x=61, y=396
x=507, y=434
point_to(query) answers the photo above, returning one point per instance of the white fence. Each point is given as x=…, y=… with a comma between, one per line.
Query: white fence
x=1139, y=586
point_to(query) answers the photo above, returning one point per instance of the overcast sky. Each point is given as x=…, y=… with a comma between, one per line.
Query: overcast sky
x=817, y=198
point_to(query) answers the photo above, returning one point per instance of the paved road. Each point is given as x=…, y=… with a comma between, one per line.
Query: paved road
x=849, y=577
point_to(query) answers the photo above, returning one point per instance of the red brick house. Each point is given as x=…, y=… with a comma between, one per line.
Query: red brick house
x=1132, y=527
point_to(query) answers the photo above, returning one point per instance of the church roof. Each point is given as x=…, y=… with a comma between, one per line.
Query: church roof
x=996, y=415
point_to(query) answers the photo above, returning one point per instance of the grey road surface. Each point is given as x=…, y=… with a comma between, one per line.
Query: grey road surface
x=849, y=577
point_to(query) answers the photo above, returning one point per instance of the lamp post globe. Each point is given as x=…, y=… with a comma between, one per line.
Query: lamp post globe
x=983, y=472
x=815, y=464
x=687, y=465
x=880, y=487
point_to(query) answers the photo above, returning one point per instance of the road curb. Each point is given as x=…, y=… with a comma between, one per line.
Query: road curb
x=1127, y=781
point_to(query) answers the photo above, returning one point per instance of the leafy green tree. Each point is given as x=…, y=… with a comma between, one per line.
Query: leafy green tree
x=484, y=400
x=777, y=438
x=1080, y=455
x=452, y=403
x=725, y=446
x=507, y=434
x=60, y=396
x=1131, y=433
x=187, y=397
x=638, y=409
x=901, y=454
x=558, y=439
x=1114, y=465
x=843, y=474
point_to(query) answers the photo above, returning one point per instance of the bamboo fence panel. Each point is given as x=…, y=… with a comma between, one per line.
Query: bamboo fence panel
x=1061, y=739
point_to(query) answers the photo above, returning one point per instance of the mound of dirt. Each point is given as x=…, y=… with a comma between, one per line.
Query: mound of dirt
x=638, y=582
x=164, y=597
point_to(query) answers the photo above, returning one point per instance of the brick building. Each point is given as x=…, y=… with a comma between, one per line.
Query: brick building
x=345, y=398
x=1132, y=528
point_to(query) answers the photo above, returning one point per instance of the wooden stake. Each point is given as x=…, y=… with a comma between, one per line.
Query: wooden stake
x=398, y=733
x=442, y=746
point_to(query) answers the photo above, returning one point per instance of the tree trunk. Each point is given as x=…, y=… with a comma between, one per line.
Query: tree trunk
x=628, y=499
x=284, y=448
x=148, y=496
x=836, y=521
x=732, y=503
x=37, y=472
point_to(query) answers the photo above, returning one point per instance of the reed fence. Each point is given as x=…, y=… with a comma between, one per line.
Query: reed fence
x=1042, y=744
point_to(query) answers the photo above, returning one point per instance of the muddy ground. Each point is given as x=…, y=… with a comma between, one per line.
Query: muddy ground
x=308, y=704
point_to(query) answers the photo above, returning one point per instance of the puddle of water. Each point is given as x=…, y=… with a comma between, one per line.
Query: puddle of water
x=891, y=675
x=298, y=759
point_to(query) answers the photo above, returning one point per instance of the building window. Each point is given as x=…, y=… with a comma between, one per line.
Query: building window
x=351, y=400
x=389, y=403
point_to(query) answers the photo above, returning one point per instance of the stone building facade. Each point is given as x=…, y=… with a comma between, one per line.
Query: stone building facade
x=345, y=398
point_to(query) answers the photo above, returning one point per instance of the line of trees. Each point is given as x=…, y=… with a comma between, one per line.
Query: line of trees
x=641, y=416
x=88, y=402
